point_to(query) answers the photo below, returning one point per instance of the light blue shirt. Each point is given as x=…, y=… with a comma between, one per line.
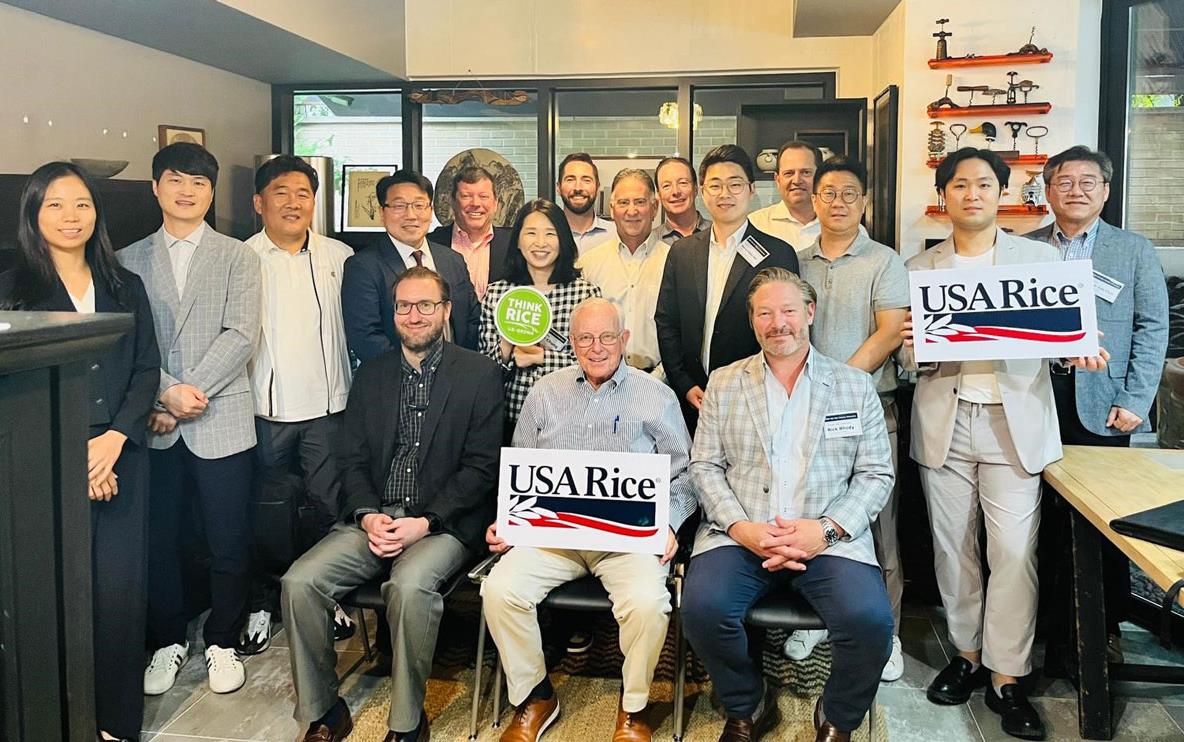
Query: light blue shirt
x=787, y=439
x=1080, y=247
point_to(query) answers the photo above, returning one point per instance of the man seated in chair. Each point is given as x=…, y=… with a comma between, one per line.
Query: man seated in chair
x=792, y=464
x=418, y=453
x=602, y=404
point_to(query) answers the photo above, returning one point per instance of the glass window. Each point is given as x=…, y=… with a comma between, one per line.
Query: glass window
x=504, y=121
x=1155, y=122
x=352, y=127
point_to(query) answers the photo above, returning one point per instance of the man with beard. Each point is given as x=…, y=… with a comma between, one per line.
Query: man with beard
x=579, y=183
x=472, y=233
x=414, y=512
x=791, y=462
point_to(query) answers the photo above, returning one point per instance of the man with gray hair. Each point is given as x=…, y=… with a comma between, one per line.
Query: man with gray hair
x=601, y=404
x=1100, y=409
x=628, y=266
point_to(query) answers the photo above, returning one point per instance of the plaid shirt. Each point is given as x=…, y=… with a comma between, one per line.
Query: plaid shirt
x=1080, y=247
x=402, y=486
x=563, y=299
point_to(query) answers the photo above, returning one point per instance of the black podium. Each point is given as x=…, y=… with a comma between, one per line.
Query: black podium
x=46, y=660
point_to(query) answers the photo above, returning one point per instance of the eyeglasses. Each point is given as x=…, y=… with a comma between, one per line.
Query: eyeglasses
x=607, y=339
x=1087, y=184
x=734, y=187
x=828, y=195
x=400, y=207
x=426, y=308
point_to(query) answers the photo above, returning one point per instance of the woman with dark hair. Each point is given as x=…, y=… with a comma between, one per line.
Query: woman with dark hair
x=542, y=255
x=66, y=264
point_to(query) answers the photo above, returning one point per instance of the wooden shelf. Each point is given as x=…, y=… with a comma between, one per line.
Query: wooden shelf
x=990, y=60
x=1015, y=109
x=1007, y=210
x=1021, y=161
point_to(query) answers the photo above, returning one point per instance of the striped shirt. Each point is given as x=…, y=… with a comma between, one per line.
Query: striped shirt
x=631, y=412
x=1080, y=247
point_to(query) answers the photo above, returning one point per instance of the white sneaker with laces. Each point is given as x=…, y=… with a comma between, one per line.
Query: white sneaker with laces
x=801, y=643
x=161, y=672
x=227, y=673
x=895, y=667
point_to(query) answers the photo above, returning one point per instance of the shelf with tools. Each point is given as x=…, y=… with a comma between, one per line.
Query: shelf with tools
x=1021, y=161
x=1005, y=210
x=991, y=60
x=1009, y=109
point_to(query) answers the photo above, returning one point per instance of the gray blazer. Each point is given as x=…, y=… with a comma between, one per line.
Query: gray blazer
x=1134, y=327
x=847, y=479
x=1024, y=384
x=206, y=335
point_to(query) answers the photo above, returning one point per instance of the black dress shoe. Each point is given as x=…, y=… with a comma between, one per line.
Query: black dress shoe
x=421, y=733
x=1018, y=716
x=953, y=685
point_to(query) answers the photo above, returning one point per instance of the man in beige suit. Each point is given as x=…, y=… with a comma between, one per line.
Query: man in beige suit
x=982, y=432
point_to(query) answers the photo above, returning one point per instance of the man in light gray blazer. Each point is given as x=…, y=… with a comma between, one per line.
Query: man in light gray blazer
x=792, y=463
x=204, y=289
x=1101, y=409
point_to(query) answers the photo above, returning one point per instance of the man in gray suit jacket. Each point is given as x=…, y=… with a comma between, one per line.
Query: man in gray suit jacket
x=792, y=463
x=1102, y=409
x=204, y=289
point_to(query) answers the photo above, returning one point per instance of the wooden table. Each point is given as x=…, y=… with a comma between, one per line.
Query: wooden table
x=1102, y=484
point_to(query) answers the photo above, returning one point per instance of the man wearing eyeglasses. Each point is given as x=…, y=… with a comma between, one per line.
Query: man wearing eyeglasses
x=601, y=404
x=413, y=513
x=1102, y=409
x=366, y=303
x=628, y=266
x=701, y=317
x=863, y=296
x=677, y=188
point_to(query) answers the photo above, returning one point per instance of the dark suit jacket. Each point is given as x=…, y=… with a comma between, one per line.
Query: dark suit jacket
x=461, y=441
x=122, y=383
x=682, y=302
x=369, y=310
x=442, y=235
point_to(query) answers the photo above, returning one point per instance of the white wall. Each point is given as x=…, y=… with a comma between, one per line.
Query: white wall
x=84, y=82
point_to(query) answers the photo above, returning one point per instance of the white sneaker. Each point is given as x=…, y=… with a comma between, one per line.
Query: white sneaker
x=161, y=672
x=895, y=667
x=256, y=634
x=227, y=673
x=801, y=643
x=343, y=625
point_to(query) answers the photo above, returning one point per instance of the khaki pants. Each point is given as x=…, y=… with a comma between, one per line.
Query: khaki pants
x=636, y=584
x=982, y=481
x=884, y=526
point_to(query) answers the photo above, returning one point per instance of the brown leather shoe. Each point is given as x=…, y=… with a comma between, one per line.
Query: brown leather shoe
x=632, y=727
x=320, y=732
x=826, y=730
x=531, y=720
x=750, y=730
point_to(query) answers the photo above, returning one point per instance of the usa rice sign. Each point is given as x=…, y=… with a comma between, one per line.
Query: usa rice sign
x=1033, y=310
x=594, y=500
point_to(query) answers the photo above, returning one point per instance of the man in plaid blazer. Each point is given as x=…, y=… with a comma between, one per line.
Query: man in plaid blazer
x=792, y=464
x=205, y=292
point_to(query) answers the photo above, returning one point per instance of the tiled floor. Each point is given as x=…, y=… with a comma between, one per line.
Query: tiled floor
x=262, y=710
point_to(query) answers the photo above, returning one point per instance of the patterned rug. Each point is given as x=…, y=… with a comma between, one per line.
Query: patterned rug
x=588, y=685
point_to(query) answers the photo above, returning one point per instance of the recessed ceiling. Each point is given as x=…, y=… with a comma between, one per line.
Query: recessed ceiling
x=831, y=18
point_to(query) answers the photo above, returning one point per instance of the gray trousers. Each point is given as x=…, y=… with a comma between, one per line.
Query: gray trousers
x=339, y=563
x=982, y=482
x=884, y=527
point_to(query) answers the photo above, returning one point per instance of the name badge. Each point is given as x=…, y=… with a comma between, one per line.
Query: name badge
x=752, y=251
x=842, y=425
x=1106, y=287
x=553, y=340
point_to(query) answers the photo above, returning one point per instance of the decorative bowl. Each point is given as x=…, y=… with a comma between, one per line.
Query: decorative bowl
x=100, y=168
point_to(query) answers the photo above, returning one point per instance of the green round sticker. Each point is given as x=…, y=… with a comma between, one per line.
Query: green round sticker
x=523, y=316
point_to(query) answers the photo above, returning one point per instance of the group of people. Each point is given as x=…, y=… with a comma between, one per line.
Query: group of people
x=758, y=351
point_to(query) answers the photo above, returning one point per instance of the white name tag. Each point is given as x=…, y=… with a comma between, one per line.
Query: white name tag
x=752, y=251
x=1106, y=287
x=553, y=340
x=842, y=425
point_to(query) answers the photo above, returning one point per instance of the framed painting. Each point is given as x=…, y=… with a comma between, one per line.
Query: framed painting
x=360, y=209
x=167, y=134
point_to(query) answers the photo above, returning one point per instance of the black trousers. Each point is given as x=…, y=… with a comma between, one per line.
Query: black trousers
x=312, y=444
x=119, y=530
x=1056, y=558
x=222, y=488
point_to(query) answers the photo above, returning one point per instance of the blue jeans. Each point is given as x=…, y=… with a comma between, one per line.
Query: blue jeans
x=849, y=596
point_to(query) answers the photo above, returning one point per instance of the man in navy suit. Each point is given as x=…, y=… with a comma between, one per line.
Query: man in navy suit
x=366, y=304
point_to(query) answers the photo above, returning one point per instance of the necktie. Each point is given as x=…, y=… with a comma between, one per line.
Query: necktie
x=418, y=255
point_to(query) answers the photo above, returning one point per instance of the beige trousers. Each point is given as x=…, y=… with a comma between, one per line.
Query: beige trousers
x=982, y=481
x=636, y=584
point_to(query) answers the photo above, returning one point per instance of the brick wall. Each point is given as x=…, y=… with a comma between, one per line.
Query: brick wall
x=1155, y=184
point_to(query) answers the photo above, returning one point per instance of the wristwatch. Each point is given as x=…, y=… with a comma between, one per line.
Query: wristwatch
x=828, y=531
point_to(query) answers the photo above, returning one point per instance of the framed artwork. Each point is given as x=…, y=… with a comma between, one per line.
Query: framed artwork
x=167, y=134
x=608, y=167
x=883, y=166
x=360, y=209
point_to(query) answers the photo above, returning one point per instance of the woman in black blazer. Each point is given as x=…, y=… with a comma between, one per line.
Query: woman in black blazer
x=67, y=264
